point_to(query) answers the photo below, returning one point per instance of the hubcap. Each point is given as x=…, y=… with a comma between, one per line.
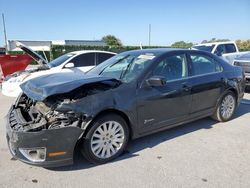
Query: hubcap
x=227, y=106
x=107, y=139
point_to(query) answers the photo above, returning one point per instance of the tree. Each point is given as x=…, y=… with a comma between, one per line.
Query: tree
x=182, y=44
x=243, y=45
x=112, y=41
x=214, y=40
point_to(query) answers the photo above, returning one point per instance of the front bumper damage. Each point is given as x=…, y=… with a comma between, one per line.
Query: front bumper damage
x=45, y=132
x=46, y=148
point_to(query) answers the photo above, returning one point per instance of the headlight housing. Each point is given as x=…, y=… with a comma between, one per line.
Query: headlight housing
x=20, y=78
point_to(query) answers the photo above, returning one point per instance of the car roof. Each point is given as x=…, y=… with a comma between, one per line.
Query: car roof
x=155, y=51
x=91, y=51
x=214, y=43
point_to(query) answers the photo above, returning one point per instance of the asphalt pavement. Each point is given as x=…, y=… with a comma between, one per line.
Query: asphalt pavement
x=204, y=153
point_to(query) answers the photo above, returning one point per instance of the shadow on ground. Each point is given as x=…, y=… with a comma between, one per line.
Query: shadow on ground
x=153, y=140
x=246, y=98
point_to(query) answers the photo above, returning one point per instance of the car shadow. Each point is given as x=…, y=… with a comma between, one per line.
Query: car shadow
x=152, y=140
x=246, y=98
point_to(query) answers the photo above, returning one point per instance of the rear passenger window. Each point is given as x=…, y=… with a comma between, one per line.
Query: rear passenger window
x=103, y=57
x=204, y=65
x=230, y=48
x=84, y=60
x=172, y=68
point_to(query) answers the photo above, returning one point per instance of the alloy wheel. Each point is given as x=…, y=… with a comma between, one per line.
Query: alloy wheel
x=227, y=107
x=107, y=139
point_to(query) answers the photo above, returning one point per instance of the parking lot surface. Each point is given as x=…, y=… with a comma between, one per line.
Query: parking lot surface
x=204, y=153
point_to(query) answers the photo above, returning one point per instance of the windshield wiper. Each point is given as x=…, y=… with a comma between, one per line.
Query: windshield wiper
x=113, y=64
x=124, y=71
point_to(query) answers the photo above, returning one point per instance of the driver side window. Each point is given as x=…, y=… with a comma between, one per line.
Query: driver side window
x=172, y=67
x=220, y=50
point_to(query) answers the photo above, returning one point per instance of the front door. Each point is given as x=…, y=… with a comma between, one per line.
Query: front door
x=165, y=105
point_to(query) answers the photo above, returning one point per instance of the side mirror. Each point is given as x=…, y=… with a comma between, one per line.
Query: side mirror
x=156, y=81
x=69, y=65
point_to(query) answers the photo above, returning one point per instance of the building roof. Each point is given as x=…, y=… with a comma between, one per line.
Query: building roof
x=45, y=45
x=85, y=42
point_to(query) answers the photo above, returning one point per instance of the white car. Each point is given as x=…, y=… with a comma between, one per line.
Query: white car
x=77, y=61
x=227, y=50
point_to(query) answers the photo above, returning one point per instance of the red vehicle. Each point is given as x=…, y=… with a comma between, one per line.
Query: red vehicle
x=13, y=63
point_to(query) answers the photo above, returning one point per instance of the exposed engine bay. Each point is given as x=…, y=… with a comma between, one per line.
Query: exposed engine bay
x=29, y=115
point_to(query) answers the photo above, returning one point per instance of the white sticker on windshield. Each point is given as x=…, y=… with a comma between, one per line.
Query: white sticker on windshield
x=146, y=56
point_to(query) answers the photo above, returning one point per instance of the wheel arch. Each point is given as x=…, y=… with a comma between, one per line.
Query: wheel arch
x=235, y=92
x=231, y=89
x=112, y=111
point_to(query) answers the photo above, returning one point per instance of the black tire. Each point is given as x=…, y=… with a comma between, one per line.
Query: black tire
x=218, y=112
x=86, y=142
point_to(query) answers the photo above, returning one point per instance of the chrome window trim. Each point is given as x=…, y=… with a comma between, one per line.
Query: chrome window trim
x=195, y=76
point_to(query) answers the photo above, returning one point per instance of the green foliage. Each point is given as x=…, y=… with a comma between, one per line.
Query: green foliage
x=243, y=45
x=215, y=40
x=112, y=41
x=58, y=50
x=182, y=44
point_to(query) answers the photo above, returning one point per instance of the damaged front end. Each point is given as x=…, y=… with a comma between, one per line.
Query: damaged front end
x=45, y=133
x=36, y=116
x=40, y=136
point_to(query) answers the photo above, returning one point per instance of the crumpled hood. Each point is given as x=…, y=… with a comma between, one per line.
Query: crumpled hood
x=44, y=86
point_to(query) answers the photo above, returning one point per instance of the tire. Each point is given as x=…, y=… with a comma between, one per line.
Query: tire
x=226, y=107
x=100, y=148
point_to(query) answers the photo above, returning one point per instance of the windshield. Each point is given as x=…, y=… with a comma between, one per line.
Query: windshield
x=58, y=61
x=204, y=48
x=123, y=67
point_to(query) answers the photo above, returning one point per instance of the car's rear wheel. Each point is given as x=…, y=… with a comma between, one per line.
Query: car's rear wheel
x=226, y=107
x=106, y=139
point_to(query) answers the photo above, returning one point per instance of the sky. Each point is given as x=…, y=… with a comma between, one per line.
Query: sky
x=171, y=21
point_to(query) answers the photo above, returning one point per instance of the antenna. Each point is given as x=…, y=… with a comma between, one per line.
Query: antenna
x=5, y=36
x=140, y=45
x=149, y=34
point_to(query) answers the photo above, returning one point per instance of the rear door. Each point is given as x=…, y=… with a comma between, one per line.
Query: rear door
x=84, y=62
x=102, y=57
x=207, y=81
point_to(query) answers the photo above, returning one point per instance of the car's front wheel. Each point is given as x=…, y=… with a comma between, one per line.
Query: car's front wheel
x=106, y=139
x=225, y=108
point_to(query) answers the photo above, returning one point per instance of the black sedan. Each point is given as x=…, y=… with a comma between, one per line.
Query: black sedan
x=128, y=96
